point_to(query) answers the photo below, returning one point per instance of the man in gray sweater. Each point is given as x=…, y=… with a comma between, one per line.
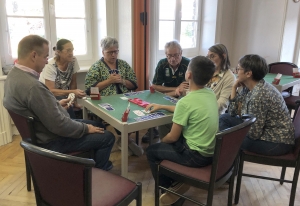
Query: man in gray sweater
x=55, y=130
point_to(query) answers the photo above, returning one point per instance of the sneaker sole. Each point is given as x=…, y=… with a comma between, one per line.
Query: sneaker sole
x=169, y=199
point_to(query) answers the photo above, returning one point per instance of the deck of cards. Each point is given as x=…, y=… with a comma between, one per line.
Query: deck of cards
x=150, y=116
x=106, y=106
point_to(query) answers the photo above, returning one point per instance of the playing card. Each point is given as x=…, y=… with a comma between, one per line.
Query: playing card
x=114, y=71
x=147, y=112
x=138, y=113
x=167, y=97
x=106, y=106
x=124, y=98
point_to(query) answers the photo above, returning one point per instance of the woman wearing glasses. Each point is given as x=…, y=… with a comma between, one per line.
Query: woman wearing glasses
x=59, y=75
x=223, y=79
x=110, y=74
x=113, y=76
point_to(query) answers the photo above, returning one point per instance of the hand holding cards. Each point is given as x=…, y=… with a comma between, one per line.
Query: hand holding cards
x=71, y=97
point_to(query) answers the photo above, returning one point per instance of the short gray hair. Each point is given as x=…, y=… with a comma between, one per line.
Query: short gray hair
x=108, y=42
x=173, y=44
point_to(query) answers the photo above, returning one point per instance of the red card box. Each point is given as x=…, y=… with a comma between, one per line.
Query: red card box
x=95, y=96
x=296, y=75
x=139, y=102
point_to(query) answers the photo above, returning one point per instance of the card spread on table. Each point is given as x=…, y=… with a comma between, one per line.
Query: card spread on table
x=138, y=113
x=106, y=106
x=132, y=93
x=173, y=100
x=149, y=116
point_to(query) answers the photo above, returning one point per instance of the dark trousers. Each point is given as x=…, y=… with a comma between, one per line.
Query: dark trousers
x=100, y=143
x=177, y=152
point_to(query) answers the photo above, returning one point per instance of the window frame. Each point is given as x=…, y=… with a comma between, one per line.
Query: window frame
x=50, y=31
x=188, y=52
x=157, y=54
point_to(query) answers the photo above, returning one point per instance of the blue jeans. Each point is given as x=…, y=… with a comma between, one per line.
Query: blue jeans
x=100, y=143
x=177, y=152
x=254, y=145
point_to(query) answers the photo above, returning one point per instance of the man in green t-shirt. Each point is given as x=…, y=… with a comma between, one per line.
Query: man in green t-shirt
x=191, y=141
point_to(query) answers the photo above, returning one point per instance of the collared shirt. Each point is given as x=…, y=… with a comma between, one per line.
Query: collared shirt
x=265, y=102
x=164, y=73
x=27, y=69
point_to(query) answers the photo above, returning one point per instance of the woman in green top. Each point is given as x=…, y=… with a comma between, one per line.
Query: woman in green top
x=110, y=74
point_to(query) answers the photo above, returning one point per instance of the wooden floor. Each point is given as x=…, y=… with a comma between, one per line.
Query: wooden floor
x=254, y=192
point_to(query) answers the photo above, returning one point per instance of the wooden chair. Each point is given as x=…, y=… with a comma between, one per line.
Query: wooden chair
x=26, y=128
x=228, y=143
x=291, y=159
x=285, y=68
x=61, y=179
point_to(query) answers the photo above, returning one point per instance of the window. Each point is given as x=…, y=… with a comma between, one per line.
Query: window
x=178, y=19
x=175, y=19
x=51, y=19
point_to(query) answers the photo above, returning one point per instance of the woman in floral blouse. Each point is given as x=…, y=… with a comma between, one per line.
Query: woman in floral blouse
x=273, y=131
x=110, y=74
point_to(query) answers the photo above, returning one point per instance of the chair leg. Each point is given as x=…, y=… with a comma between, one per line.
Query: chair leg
x=239, y=180
x=28, y=176
x=137, y=134
x=231, y=184
x=156, y=190
x=282, y=175
x=210, y=194
x=139, y=197
x=294, y=185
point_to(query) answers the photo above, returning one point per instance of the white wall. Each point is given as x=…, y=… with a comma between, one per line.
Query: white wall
x=264, y=27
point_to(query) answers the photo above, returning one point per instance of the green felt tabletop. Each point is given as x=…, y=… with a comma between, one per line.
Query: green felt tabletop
x=120, y=105
x=285, y=79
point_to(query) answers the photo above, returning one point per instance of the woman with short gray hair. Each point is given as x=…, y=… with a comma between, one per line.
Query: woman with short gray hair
x=110, y=74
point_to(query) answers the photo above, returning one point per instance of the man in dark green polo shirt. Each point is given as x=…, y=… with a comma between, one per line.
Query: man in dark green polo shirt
x=170, y=74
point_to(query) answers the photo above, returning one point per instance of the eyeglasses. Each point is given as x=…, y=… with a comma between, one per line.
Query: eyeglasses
x=211, y=56
x=112, y=52
x=175, y=56
x=237, y=69
x=68, y=50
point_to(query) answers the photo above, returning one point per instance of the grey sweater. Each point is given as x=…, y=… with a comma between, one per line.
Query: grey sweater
x=24, y=94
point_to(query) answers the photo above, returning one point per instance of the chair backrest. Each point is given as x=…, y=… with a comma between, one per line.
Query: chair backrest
x=228, y=143
x=24, y=126
x=285, y=68
x=59, y=179
x=296, y=123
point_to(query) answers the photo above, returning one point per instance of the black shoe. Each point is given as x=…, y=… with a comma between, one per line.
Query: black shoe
x=108, y=166
x=146, y=137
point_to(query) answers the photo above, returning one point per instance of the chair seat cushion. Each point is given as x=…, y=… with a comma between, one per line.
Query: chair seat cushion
x=289, y=156
x=108, y=188
x=200, y=173
x=290, y=101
